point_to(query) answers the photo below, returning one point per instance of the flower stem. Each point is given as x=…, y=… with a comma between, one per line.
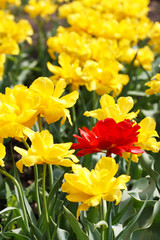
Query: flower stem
x=44, y=200
x=129, y=164
x=36, y=181
x=104, y=210
x=37, y=190
x=102, y=213
x=25, y=143
x=50, y=176
x=49, y=166
x=39, y=123
x=109, y=220
x=95, y=100
x=20, y=196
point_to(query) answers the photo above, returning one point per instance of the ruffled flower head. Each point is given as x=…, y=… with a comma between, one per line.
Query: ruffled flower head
x=89, y=187
x=109, y=137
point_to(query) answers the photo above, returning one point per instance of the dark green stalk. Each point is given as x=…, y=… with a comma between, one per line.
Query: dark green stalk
x=37, y=190
x=44, y=200
x=109, y=220
x=39, y=122
x=49, y=166
x=102, y=214
x=20, y=196
x=51, y=183
x=36, y=182
x=129, y=164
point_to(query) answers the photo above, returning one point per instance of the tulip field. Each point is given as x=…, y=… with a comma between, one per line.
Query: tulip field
x=79, y=120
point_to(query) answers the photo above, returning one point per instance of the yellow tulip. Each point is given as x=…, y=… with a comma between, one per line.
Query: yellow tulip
x=43, y=150
x=109, y=109
x=52, y=106
x=154, y=85
x=89, y=187
x=17, y=112
x=154, y=36
x=5, y=3
x=42, y=8
x=147, y=134
x=146, y=139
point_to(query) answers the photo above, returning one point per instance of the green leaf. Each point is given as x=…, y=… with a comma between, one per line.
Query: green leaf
x=130, y=224
x=137, y=202
x=60, y=234
x=9, y=209
x=151, y=230
x=36, y=231
x=143, y=187
x=8, y=191
x=30, y=211
x=10, y=222
x=147, y=163
x=101, y=223
x=156, y=213
x=119, y=215
x=149, y=234
x=56, y=185
x=75, y=225
x=158, y=182
x=92, y=215
x=93, y=233
x=136, y=93
x=16, y=236
x=28, y=207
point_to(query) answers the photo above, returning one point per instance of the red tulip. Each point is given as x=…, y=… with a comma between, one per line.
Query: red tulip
x=108, y=136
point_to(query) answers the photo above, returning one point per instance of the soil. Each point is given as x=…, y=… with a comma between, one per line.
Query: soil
x=154, y=13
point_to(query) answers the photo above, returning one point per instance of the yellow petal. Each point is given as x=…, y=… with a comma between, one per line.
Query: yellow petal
x=47, y=138
x=125, y=104
x=77, y=197
x=2, y=151
x=59, y=88
x=82, y=207
x=1, y=163
x=43, y=85
x=19, y=165
x=21, y=151
x=64, y=60
x=29, y=161
x=107, y=163
x=70, y=99
x=38, y=144
x=99, y=114
x=66, y=114
x=107, y=100
x=148, y=124
x=54, y=69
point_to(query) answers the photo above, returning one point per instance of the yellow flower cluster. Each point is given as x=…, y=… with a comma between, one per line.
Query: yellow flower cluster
x=101, y=35
x=5, y=3
x=42, y=97
x=154, y=85
x=120, y=111
x=17, y=118
x=42, y=8
x=89, y=187
x=12, y=33
x=155, y=37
